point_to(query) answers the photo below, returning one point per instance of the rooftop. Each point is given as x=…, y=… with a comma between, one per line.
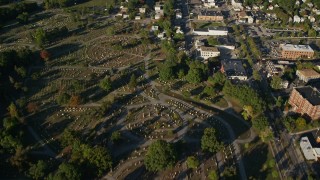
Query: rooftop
x=310, y=94
x=233, y=67
x=210, y=13
x=212, y=29
x=292, y=47
x=212, y=49
x=308, y=72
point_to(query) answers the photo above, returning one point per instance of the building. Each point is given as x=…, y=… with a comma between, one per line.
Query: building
x=274, y=69
x=310, y=146
x=211, y=31
x=208, y=52
x=245, y=17
x=306, y=100
x=142, y=10
x=195, y=3
x=307, y=75
x=290, y=51
x=178, y=15
x=209, y=3
x=206, y=15
x=158, y=10
x=296, y=19
x=237, y=5
x=233, y=69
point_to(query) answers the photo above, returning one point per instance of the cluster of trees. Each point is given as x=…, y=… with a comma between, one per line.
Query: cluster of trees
x=160, y=155
x=261, y=125
x=293, y=124
x=254, y=48
x=210, y=142
x=17, y=9
x=13, y=71
x=41, y=37
x=246, y=95
x=95, y=160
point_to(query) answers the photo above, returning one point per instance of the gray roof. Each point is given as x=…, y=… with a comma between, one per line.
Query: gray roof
x=233, y=67
x=220, y=28
x=210, y=13
x=310, y=94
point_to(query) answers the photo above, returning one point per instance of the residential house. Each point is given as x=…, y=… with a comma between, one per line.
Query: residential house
x=209, y=3
x=296, y=19
x=237, y=5
x=158, y=10
x=142, y=10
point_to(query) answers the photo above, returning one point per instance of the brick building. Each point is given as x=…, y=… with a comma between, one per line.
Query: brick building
x=306, y=100
x=290, y=51
x=206, y=15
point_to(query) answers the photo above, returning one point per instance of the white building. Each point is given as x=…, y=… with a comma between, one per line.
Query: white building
x=178, y=15
x=211, y=31
x=209, y=3
x=296, y=19
x=237, y=5
x=198, y=44
x=208, y=52
x=158, y=10
x=311, y=150
x=142, y=10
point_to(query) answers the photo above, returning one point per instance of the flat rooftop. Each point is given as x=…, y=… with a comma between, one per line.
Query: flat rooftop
x=310, y=94
x=292, y=47
x=217, y=28
x=212, y=49
x=308, y=72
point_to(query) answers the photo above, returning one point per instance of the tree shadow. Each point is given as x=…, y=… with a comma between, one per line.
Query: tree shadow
x=64, y=49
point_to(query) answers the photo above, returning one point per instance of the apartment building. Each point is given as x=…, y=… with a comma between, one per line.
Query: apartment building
x=290, y=51
x=206, y=15
x=208, y=52
x=306, y=100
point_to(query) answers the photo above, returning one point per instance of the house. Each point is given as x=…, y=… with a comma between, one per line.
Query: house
x=154, y=28
x=178, y=30
x=158, y=10
x=312, y=19
x=245, y=17
x=310, y=146
x=195, y=3
x=296, y=19
x=237, y=5
x=138, y=17
x=297, y=2
x=270, y=7
x=209, y=3
x=161, y=35
x=207, y=15
x=198, y=44
x=306, y=100
x=142, y=10
x=179, y=15
x=233, y=69
x=211, y=31
x=290, y=51
x=307, y=75
x=208, y=52
x=274, y=69
x=255, y=7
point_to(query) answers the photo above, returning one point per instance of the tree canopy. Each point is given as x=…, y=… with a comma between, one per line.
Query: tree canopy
x=160, y=155
x=209, y=141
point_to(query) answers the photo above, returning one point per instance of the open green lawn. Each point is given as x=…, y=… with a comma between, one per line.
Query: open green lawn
x=209, y=24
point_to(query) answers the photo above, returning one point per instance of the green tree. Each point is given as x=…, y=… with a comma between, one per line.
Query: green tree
x=194, y=75
x=133, y=81
x=63, y=99
x=23, y=18
x=212, y=41
x=13, y=111
x=192, y=162
x=218, y=78
x=111, y=31
x=209, y=141
x=160, y=155
x=115, y=136
x=106, y=84
x=67, y=171
x=166, y=72
x=256, y=75
x=260, y=123
x=213, y=175
x=276, y=82
x=312, y=33
x=38, y=171
x=40, y=37
x=300, y=123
